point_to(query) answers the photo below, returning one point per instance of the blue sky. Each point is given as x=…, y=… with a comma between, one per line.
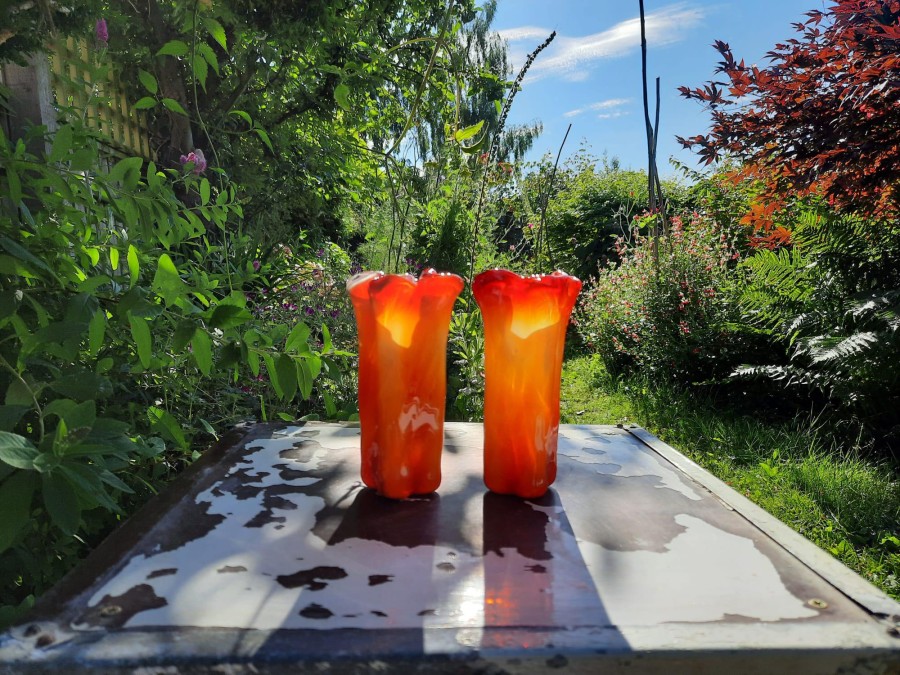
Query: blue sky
x=591, y=74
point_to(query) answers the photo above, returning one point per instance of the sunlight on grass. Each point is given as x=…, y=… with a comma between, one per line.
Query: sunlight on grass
x=840, y=500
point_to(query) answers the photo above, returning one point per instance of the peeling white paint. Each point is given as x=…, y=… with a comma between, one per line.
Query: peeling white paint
x=730, y=577
x=621, y=454
x=583, y=584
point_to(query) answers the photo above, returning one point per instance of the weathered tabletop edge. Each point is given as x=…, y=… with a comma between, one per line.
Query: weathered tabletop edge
x=820, y=562
x=79, y=581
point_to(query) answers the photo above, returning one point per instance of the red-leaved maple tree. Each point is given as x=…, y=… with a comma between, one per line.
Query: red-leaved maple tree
x=823, y=118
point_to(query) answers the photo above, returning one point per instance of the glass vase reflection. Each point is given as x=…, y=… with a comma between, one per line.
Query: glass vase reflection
x=525, y=320
x=402, y=324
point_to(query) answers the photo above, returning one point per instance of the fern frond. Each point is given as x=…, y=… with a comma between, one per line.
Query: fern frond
x=826, y=349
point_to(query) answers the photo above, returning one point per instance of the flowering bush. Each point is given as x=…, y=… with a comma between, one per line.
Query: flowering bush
x=671, y=322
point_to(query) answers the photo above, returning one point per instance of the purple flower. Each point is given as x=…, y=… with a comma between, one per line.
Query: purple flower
x=335, y=313
x=101, y=31
x=309, y=311
x=320, y=253
x=256, y=265
x=197, y=159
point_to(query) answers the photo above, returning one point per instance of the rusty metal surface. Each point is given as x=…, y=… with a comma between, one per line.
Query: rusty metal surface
x=269, y=555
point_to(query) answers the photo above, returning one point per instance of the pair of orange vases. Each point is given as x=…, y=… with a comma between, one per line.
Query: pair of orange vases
x=403, y=325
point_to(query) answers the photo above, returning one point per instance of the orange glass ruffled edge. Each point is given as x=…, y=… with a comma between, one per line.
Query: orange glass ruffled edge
x=359, y=285
x=509, y=283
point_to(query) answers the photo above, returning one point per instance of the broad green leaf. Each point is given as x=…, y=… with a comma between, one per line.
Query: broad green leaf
x=207, y=53
x=264, y=137
x=75, y=415
x=174, y=106
x=10, y=415
x=62, y=143
x=173, y=48
x=125, y=168
x=287, y=376
x=114, y=481
x=253, y=361
x=149, y=82
x=23, y=254
x=16, y=493
x=140, y=331
x=201, y=70
x=296, y=341
x=133, y=265
x=61, y=502
x=17, y=451
x=184, y=331
x=315, y=365
x=15, y=185
x=165, y=424
x=243, y=115
x=114, y=258
x=469, y=132
x=216, y=31
x=330, y=407
x=83, y=159
x=228, y=316
x=19, y=393
x=342, y=96
x=167, y=282
x=304, y=377
x=145, y=103
x=326, y=339
x=96, y=331
x=83, y=385
x=201, y=346
x=273, y=374
x=84, y=479
x=204, y=192
x=93, y=254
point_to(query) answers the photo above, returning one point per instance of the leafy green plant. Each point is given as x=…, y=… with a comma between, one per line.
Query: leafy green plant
x=125, y=333
x=831, y=302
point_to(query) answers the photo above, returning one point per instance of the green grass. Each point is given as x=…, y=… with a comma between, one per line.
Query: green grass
x=834, y=496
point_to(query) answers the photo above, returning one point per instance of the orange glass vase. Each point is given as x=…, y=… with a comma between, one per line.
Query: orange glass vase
x=525, y=320
x=403, y=325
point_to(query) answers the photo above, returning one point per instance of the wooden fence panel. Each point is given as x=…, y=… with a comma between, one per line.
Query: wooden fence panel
x=104, y=103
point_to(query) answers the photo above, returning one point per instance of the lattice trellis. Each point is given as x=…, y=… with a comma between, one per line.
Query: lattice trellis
x=104, y=102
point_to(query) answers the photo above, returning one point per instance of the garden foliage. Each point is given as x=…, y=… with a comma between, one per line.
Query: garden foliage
x=669, y=318
x=822, y=118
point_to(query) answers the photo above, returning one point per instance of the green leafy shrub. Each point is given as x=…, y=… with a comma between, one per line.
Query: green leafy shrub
x=125, y=336
x=830, y=305
x=592, y=207
x=672, y=321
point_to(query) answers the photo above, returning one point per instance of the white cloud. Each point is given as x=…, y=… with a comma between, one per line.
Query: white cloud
x=613, y=115
x=524, y=33
x=573, y=57
x=601, y=105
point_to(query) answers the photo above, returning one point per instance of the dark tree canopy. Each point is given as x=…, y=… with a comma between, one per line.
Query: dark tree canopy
x=824, y=117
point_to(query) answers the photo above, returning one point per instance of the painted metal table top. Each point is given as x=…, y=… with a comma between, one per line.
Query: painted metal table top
x=270, y=555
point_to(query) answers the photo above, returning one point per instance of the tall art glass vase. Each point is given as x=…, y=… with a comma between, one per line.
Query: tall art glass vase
x=403, y=325
x=525, y=320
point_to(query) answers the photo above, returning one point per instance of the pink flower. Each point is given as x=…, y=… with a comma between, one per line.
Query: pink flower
x=101, y=31
x=197, y=159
